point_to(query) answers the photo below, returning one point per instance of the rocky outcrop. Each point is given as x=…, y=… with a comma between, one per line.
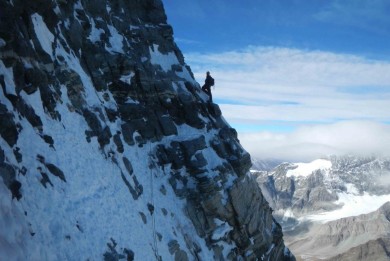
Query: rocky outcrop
x=378, y=250
x=109, y=148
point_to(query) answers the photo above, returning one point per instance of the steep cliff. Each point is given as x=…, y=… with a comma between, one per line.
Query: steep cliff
x=108, y=148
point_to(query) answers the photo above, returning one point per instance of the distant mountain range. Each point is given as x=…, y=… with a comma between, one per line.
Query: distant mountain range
x=335, y=208
x=264, y=165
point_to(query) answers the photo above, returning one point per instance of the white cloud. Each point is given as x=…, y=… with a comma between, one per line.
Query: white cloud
x=288, y=84
x=310, y=142
x=186, y=41
x=347, y=96
x=289, y=71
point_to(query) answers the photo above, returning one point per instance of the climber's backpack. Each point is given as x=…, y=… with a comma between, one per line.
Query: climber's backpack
x=212, y=81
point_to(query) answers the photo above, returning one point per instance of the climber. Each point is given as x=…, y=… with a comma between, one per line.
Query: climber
x=207, y=85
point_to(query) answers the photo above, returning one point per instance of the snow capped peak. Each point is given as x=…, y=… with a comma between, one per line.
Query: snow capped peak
x=306, y=169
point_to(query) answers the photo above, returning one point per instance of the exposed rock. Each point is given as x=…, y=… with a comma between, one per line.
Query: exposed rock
x=8, y=128
x=49, y=140
x=354, y=238
x=8, y=173
x=113, y=255
x=55, y=171
x=378, y=250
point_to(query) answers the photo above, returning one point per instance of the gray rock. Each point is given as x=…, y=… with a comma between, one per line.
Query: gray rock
x=353, y=238
x=8, y=128
x=55, y=171
x=167, y=126
x=174, y=249
x=377, y=250
x=128, y=165
x=118, y=142
x=8, y=175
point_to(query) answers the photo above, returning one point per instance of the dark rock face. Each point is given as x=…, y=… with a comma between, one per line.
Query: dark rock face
x=96, y=99
x=8, y=128
x=8, y=174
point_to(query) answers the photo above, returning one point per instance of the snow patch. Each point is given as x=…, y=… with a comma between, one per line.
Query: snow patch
x=222, y=229
x=185, y=74
x=133, y=27
x=288, y=214
x=35, y=102
x=352, y=205
x=164, y=60
x=44, y=36
x=127, y=78
x=95, y=34
x=116, y=41
x=306, y=169
x=351, y=189
x=78, y=6
x=144, y=59
x=8, y=78
x=57, y=10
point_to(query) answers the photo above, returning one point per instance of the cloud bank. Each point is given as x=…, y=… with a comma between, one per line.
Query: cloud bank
x=315, y=141
x=265, y=83
x=333, y=103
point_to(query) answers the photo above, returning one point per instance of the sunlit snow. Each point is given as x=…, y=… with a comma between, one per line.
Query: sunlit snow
x=352, y=205
x=305, y=169
x=116, y=41
x=164, y=60
x=95, y=32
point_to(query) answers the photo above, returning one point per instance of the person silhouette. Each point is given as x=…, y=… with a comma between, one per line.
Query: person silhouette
x=208, y=82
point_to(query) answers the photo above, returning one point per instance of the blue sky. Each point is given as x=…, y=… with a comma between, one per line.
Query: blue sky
x=347, y=26
x=286, y=67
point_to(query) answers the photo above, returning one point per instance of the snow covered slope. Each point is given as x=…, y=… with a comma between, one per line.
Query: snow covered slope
x=108, y=148
x=306, y=169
